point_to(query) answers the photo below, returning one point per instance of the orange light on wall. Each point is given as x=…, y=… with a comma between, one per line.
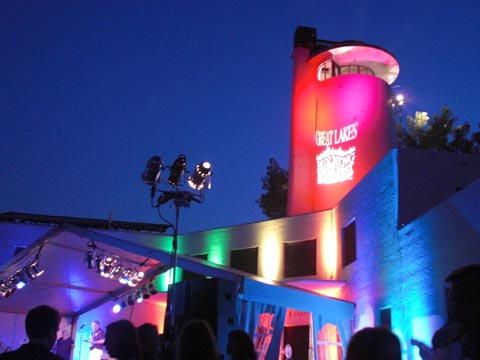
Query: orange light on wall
x=330, y=247
x=270, y=256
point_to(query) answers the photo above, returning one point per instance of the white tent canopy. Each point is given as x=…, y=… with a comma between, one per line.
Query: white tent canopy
x=61, y=244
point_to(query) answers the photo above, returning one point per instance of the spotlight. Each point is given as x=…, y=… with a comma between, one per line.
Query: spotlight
x=125, y=277
x=90, y=260
x=5, y=289
x=107, y=265
x=116, y=308
x=116, y=271
x=138, y=297
x=151, y=289
x=177, y=169
x=199, y=177
x=145, y=293
x=33, y=271
x=135, y=278
x=19, y=280
x=98, y=263
x=153, y=169
x=130, y=300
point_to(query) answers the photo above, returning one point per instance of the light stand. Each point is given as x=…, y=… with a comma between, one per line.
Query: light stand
x=180, y=198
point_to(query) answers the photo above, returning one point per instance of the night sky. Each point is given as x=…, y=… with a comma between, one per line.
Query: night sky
x=92, y=89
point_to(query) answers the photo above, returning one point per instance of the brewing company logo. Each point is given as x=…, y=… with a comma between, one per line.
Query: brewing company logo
x=334, y=163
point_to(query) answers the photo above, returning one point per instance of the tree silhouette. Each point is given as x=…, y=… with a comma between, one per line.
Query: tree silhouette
x=439, y=133
x=273, y=201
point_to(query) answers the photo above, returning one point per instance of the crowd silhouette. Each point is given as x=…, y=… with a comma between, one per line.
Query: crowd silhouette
x=457, y=339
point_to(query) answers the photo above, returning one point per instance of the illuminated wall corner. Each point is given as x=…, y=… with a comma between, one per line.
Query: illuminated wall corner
x=270, y=254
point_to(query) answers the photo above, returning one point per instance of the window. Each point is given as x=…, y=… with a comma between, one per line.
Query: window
x=349, y=243
x=300, y=258
x=245, y=260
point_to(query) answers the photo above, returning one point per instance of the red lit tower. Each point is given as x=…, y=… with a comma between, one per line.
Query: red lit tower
x=342, y=119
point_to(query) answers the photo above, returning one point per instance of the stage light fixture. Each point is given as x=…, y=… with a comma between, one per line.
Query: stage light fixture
x=107, y=265
x=130, y=300
x=144, y=292
x=177, y=170
x=200, y=175
x=135, y=278
x=98, y=263
x=116, y=308
x=138, y=297
x=153, y=169
x=90, y=259
x=5, y=289
x=19, y=280
x=125, y=276
x=116, y=272
x=151, y=289
x=33, y=270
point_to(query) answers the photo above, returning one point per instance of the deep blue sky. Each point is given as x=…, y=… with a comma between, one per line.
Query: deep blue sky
x=91, y=89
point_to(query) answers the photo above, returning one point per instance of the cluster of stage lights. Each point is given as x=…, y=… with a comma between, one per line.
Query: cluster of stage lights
x=198, y=180
x=115, y=268
x=20, y=278
x=138, y=296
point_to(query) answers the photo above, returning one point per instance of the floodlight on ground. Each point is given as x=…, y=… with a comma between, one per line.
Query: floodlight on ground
x=200, y=176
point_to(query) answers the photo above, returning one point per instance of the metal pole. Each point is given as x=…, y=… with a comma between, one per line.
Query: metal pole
x=174, y=272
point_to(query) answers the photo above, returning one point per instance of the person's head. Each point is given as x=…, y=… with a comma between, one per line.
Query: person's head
x=121, y=340
x=41, y=325
x=148, y=339
x=65, y=334
x=374, y=344
x=464, y=295
x=95, y=325
x=240, y=346
x=196, y=341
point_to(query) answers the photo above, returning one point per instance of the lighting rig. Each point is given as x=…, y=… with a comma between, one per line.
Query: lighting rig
x=20, y=278
x=114, y=267
x=136, y=296
x=198, y=180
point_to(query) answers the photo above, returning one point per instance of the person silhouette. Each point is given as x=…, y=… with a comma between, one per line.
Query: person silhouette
x=374, y=343
x=121, y=340
x=196, y=341
x=459, y=338
x=97, y=338
x=41, y=326
x=240, y=346
x=65, y=345
x=149, y=341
